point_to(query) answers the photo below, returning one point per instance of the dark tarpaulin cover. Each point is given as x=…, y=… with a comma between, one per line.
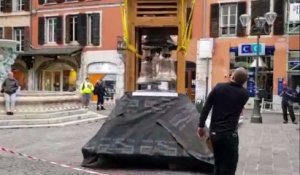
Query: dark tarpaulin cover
x=160, y=127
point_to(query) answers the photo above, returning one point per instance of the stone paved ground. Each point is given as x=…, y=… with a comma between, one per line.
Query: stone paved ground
x=14, y=165
x=271, y=148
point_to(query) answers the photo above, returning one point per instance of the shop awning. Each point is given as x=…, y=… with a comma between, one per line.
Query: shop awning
x=28, y=56
x=65, y=51
x=261, y=63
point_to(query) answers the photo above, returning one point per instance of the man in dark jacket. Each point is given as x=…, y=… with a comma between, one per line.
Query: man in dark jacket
x=288, y=97
x=227, y=101
x=9, y=88
x=100, y=92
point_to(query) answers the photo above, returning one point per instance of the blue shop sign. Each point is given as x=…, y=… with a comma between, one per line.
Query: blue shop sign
x=251, y=49
x=251, y=85
x=280, y=85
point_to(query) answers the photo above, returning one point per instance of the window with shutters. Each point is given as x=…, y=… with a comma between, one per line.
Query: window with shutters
x=19, y=5
x=1, y=33
x=293, y=16
x=93, y=29
x=50, y=29
x=73, y=20
x=1, y=5
x=228, y=17
x=19, y=37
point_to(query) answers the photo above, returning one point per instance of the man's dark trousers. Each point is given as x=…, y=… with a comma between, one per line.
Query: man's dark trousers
x=285, y=106
x=225, y=147
x=100, y=100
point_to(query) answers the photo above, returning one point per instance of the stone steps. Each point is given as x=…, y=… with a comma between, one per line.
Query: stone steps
x=40, y=114
x=57, y=121
x=43, y=109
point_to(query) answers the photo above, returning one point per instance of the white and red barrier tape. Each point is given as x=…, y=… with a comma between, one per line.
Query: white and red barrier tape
x=54, y=163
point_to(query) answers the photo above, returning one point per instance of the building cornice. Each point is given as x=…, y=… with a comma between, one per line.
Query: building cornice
x=15, y=14
x=231, y=1
x=70, y=7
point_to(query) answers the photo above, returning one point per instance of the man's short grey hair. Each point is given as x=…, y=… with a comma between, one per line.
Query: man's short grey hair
x=240, y=75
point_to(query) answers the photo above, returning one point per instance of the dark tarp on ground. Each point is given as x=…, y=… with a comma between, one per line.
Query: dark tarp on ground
x=160, y=127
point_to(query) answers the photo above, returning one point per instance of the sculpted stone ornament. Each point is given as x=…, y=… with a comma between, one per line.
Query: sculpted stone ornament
x=7, y=57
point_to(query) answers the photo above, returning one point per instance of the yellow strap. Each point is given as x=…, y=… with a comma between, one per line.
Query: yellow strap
x=190, y=26
x=187, y=32
x=129, y=46
x=124, y=16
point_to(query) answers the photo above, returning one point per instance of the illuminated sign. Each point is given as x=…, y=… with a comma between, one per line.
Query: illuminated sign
x=251, y=49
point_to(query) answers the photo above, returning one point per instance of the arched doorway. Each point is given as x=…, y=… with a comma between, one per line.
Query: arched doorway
x=57, y=76
x=107, y=72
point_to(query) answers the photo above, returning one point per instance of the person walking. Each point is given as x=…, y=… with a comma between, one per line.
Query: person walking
x=288, y=97
x=86, y=89
x=227, y=101
x=100, y=92
x=10, y=87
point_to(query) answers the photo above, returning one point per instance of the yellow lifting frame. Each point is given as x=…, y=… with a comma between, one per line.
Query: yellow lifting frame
x=184, y=36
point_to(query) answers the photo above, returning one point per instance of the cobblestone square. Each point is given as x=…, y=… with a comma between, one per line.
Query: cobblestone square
x=271, y=148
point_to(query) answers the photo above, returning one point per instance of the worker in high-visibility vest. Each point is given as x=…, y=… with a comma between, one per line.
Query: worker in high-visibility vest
x=86, y=89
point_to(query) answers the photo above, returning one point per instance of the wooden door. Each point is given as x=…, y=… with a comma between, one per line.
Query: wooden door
x=47, y=81
x=21, y=78
x=52, y=80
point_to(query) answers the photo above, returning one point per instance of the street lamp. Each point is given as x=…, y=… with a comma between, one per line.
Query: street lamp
x=260, y=22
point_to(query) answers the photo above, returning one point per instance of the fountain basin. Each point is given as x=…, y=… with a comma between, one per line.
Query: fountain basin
x=31, y=101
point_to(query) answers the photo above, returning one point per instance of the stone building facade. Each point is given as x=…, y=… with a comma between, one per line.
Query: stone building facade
x=280, y=44
x=72, y=40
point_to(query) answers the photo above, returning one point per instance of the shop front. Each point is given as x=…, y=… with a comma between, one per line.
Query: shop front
x=107, y=73
x=108, y=67
x=49, y=69
x=58, y=77
x=245, y=55
x=294, y=69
